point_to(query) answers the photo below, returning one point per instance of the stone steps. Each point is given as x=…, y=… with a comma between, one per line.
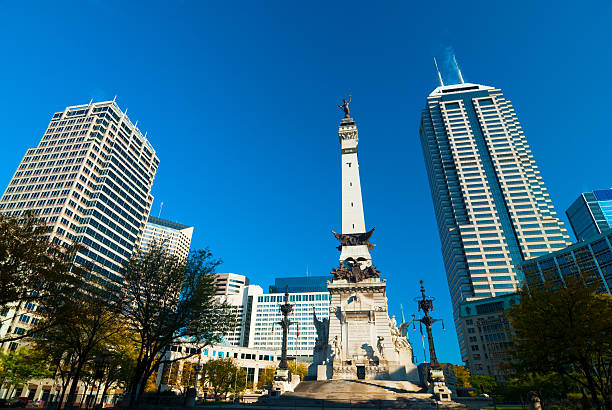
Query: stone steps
x=380, y=394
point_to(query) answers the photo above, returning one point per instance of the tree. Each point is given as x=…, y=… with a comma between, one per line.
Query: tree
x=20, y=366
x=266, y=377
x=462, y=374
x=223, y=376
x=171, y=301
x=33, y=269
x=300, y=369
x=483, y=384
x=566, y=330
x=85, y=324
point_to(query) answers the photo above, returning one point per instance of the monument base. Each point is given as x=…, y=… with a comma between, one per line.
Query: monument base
x=437, y=386
x=283, y=382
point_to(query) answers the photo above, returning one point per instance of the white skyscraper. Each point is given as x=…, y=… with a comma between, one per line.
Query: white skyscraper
x=492, y=207
x=176, y=238
x=90, y=180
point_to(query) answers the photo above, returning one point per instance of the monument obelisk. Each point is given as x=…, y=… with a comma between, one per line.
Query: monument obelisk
x=361, y=341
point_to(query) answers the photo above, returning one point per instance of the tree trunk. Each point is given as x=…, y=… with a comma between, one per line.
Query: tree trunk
x=590, y=383
x=74, y=385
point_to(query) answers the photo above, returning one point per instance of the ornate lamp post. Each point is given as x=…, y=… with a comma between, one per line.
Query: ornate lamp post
x=426, y=305
x=435, y=377
x=285, y=308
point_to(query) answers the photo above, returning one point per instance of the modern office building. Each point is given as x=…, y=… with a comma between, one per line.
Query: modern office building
x=488, y=333
x=254, y=361
x=266, y=333
x=491, y=205
x=297, y=284
x=242, y=307
x=230, y=283
x=89, y=179
x=176, y=238
x=591, y=259
x=591, y=214
x=258, y=314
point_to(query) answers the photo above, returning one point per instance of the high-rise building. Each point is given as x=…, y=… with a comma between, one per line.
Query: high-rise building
x=230, y=283
x=266, y=333
x=298, y=284
x=591, y=214
x=491, y=205
x=488, y=332
x=241, y=305
x=89, y=179
x=590, y=258
x=176, y=238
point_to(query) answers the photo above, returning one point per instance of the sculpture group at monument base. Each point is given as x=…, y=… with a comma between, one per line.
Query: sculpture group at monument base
x=360, y=341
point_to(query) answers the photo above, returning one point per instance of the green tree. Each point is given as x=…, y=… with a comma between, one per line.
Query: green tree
x=20, y=366
x=462, y=374
x=266, y=377
x=33, y=269
x=223, y=376
x=568, y=331
x=170, y=301
x=300, y=369
x=85, y=325
x=483, y=384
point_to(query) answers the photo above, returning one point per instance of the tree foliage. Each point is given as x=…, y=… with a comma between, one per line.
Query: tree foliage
x=567, y=331
x=266, y=376
x=33, y=269
x=170, y=301
x=462, y=374
x=224, y=376
x=19, y=367
x=483, y=384
x=86, y=324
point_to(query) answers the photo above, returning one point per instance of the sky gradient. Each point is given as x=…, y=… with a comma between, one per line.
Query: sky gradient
x=239, y=101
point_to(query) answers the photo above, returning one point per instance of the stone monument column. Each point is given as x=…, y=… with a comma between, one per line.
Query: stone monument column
x=362, y=341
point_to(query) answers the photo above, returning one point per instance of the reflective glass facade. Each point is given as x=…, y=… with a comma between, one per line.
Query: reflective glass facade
x=592, y=259
x=591, y=214
x=300, y=284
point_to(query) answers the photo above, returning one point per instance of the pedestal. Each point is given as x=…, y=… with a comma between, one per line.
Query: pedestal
x=437, y=386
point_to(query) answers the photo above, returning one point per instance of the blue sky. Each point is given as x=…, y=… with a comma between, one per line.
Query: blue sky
x=239, y=101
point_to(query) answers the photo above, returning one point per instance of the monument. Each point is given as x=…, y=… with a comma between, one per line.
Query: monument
x=360, y=340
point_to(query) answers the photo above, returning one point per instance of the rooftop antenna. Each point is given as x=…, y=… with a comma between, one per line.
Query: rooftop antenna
x=458, y=69
x=136, y=125
x=160, y=209
x=90, y=101
x=438, y=71
x=115, y=97
x=306, y=270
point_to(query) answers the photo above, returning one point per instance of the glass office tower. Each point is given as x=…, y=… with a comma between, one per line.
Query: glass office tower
x=491, y=205
x=591, y=214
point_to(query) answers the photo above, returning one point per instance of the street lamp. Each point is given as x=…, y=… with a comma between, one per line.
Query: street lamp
x=101, y=362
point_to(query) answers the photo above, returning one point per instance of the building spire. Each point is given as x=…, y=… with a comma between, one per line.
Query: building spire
x=458, y=69
x=438, y=71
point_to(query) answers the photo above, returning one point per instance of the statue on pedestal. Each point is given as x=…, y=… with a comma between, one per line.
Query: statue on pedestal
x=345, y=107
